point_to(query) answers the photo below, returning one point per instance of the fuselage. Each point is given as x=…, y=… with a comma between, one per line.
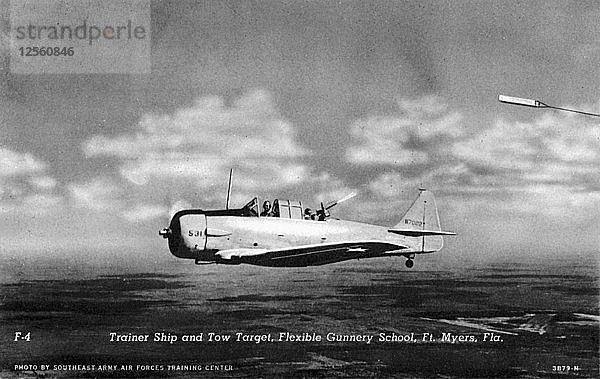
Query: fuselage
x=199, y=235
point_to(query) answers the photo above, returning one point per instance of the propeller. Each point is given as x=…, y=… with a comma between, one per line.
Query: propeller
x=323, y=213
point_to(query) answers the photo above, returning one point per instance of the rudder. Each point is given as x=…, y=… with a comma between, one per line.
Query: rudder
x=422, y=222
x=422, y=214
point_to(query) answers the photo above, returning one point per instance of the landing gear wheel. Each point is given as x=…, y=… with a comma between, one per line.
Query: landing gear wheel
x=410, y=263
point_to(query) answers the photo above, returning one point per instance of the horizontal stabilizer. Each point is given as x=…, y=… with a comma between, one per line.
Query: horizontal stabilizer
x=420, y=233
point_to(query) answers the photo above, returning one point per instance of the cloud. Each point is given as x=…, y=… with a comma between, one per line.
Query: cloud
x=24, y=186
x=413, y=136
x=514, y=182
x=250, y=128
x=106, y=196
x=31, y=205
x=391, y=184
x=519, y=146
x=407, y=150
x=13, y=163
x=506, y=158
x=145, y=212
x=100, y=194
x=187, y=155
x=327, y=188
x=501, y=147
x=545, y=164
x=559, y=201
x=552, y=150
x=43, y=182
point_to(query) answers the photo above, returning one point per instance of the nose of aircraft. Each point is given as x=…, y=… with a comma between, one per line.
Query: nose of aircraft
x=186, y=233
x=173, y=234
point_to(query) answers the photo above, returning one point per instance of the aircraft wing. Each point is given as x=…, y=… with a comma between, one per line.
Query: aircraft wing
x=308, y=255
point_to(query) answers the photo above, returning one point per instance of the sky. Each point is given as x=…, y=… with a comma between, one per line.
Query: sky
x=312, y=100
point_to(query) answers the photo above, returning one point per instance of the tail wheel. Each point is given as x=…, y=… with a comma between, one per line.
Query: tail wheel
x=410, y=263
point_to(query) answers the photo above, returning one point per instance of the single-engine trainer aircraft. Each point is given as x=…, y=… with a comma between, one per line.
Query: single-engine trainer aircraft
x=287, y=235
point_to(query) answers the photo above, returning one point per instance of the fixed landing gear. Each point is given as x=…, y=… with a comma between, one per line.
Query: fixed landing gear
x=410, y=263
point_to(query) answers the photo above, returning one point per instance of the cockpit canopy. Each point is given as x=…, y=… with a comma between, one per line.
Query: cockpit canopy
x=287, y=209
x=279, y=208
x=251, y=209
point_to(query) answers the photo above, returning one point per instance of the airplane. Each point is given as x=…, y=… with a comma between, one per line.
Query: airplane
x=285, y=238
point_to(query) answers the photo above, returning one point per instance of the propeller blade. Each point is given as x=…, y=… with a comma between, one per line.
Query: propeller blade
x=347, y=197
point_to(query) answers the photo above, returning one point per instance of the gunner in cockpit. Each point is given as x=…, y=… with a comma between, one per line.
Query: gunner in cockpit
x=308, y=214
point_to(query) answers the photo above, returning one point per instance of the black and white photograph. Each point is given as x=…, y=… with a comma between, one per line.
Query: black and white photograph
x=299, y=189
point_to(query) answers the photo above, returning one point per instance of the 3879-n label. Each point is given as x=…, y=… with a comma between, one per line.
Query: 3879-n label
x=565, y=369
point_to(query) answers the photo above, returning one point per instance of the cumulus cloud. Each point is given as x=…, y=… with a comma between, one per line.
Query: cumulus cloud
x=548, y=162
x=144, y=212
x=188, y=154
x=31, y=205
x=43, y=182
x=328, y=188
x=521, y=146
x=13, y=163
x=107, y=196
x=493, y=179
x=24, y=186
x=555, y=200
x=100, y=194
x=411, y=137
x=250, y=128
x=392, y=184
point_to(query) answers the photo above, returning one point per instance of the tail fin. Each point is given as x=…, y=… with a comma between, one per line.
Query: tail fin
x=422, y=221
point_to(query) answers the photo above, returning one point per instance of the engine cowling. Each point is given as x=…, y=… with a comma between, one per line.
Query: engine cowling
x=186, y=234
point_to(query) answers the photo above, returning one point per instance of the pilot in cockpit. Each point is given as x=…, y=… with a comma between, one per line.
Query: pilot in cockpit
x=266, y=212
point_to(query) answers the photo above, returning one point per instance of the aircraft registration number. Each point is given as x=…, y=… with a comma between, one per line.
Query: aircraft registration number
x=413, y=222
